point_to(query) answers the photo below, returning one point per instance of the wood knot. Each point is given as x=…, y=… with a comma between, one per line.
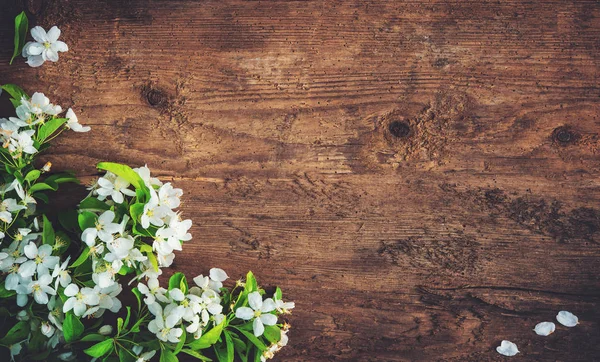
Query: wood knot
x=564, y=136
x=156, y=97
x=399, y=129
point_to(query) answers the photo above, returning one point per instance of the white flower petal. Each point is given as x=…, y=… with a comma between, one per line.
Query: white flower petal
x=544, y=328
x=39, y=34
x=35, y=61
x=507, y=348
x=218, y=275
x=53, y=34
x=255, y=300
x=567, y=319
x=268, y=319
x=258, y=327
x=244, y=313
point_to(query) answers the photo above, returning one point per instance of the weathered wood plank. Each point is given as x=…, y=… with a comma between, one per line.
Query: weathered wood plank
x=420, y=176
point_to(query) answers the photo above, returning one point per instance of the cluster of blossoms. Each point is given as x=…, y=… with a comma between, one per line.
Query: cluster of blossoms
x=61, y=279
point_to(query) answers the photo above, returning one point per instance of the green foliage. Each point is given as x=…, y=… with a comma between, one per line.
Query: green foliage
x=100, y=349
x=21, y=27
x=72, y=328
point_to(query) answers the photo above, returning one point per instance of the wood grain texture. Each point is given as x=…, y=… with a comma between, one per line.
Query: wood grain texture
x=421, y=177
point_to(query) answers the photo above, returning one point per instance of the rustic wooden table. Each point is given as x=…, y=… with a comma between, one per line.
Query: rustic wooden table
x=421, y=177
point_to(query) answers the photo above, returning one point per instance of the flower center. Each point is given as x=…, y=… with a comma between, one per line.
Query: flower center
x=257, y=313
x=47, y=45
x=39, y=260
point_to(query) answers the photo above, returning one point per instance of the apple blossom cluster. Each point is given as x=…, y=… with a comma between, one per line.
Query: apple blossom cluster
x=68, y=275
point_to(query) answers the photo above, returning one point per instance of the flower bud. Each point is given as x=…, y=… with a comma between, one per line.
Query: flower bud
x=47, y=330
x=23, y=316
x=105, y=330
x=47, y=166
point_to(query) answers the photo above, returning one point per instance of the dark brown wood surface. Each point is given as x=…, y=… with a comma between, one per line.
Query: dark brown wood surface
x=421, y=177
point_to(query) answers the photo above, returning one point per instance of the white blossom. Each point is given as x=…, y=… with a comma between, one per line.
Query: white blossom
x=73, y=122
x=103, y=230
x=40, y=260
x=80, y=299
x=45, y=47
x=113, y=186
x=259, y=312
x=153, y=291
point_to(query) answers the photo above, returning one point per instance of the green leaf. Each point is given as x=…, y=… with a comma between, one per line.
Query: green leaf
x=93, y=337
x=48, y=236
x=72, y=328
x=86, y=220
x=152, y=259
x=230, y=347
x=100, y=349
x=119, y=325
x=255, y=341
x=68, y=220
x=33, y=175
x=138, y=296
x=181, y=342
x=125, y=356
x=15, y=91
x=126, y=173
x=42, y=196
x=136, y=210
x=196, y=354
x=127, y=318
x=62, y=177
x=168, y=356
x=209, y=338
x=17, y=333
x=177, y=280
x=251, y=284
x=272, y=334
x=21, y=27
x=6, y=293
x=93, y=204
x=278, y=295
x=82, y=258
x=40, y=186
x=48, y=128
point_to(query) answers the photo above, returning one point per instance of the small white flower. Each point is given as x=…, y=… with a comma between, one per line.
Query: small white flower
x=507, y=348
x=103, y=230
x=62, y=274
x=20, y=143
x=544, y=328
x=41, y=260
x=169, y=196
x=153, y=292
x=7, y=207
x=284, y=307
x=119, y=248
x=45, y=47
x=259, y=311
x=15, y=349
x=163, y=326
x=73, y=122
x=212, y=282
x=80, y=299
x=567, y=319
x=153, y=212
x=144, y=173
x=180, y=228
x=47, y=330
x=164, y=242
x=113, y=186
x=41, y=288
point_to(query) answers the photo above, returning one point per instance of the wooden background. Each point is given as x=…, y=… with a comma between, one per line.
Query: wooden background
x=421, y=177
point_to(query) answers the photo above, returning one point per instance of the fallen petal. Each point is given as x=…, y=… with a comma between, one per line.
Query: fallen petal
x=544, y=328
x=507, y=348
x=567, y=319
